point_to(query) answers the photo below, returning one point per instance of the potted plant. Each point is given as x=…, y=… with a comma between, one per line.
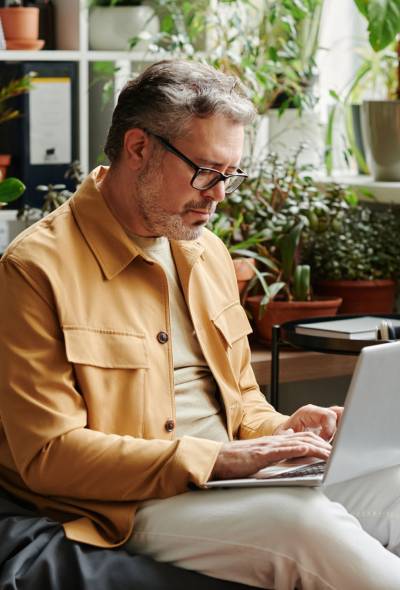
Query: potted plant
x=113, y=22
x=286, y=205
x=54, y=195
x=270, y=46
x=358, y=259
x=375, y=77
x=381, y=136
x=239, y=236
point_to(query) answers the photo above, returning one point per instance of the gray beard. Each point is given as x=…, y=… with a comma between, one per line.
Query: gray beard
x=158, y=221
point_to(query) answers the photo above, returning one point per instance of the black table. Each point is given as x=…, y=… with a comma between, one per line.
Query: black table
x=285, y=335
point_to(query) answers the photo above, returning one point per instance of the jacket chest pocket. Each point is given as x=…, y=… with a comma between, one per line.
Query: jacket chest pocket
x=233, y=325
x=110, y=370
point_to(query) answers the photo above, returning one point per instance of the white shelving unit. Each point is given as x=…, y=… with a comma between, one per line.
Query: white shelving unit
x=73, y=45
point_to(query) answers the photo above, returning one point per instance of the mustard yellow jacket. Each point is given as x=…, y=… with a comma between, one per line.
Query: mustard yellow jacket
x=87, y=391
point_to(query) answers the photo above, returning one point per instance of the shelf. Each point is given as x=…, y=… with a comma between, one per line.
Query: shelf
x=51, y=55
x=70, y=55
x=131, y=56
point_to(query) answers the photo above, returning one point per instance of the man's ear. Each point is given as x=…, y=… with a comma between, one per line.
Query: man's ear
x=136, y=147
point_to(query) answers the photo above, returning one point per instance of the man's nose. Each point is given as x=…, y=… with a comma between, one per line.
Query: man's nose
x=216, y=193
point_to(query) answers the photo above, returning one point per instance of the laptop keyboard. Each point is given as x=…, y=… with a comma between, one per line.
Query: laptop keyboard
x=315, y=469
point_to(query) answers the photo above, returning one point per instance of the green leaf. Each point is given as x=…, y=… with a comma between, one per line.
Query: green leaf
x=272, y=291
x=361, y=73
x=301, y=282
x=334, y=94
x=349, y=125
x=273, y=54
x=383, y=22
x=287, y=246
x=11, y=189
x=351, y=198
x=256, y=256
x=275, y=288
x=362, y=6
x=328, y=156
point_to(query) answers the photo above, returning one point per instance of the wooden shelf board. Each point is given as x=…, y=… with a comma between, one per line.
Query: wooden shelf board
x=300, y=365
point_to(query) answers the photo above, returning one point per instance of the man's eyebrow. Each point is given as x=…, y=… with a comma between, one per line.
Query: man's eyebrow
x=211, y=164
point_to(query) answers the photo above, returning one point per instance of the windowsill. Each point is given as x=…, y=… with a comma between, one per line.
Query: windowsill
x=384, y=192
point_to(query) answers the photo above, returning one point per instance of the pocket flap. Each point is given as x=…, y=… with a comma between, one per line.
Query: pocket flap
x=232, y=322
x=104, y=348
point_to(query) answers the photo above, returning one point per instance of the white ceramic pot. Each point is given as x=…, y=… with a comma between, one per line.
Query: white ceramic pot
x=111, y=27
x=381, y=134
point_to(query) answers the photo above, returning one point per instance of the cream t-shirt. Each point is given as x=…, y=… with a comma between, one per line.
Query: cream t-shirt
x=198, y=412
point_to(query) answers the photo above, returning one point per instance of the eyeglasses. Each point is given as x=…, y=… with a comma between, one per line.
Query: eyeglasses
x=205, y=178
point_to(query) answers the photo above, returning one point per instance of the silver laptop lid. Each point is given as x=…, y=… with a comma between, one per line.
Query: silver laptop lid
x=369, y=436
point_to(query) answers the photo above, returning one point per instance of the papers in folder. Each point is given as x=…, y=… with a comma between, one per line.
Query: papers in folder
x=361, y=328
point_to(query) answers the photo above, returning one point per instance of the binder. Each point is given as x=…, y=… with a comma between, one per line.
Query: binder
x=43, y=141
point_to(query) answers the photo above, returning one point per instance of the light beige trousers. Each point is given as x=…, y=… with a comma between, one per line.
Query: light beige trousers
x=282, y=538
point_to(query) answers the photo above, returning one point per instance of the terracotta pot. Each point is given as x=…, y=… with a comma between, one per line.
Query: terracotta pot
x=279, y=312
x=20, y=23
x=5, y=160
x=244, y=271
x=361, y=296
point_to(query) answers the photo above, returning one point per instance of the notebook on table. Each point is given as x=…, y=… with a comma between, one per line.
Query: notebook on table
x=367, y=439
x=358, y=328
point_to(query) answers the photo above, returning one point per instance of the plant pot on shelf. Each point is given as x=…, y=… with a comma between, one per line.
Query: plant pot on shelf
x=5, y=160
x=20, y=23
x=279, y=312
x=381, y=134
x=244, y=270
x=111, y=27
x=367, y=296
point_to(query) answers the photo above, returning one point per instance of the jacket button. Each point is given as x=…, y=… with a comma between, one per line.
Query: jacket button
x=169, y=425
x=162, y=337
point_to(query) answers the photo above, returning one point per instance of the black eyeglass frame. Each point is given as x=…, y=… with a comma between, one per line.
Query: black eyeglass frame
x=199, y=169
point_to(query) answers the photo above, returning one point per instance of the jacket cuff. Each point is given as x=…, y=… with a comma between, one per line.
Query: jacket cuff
x=194, y=460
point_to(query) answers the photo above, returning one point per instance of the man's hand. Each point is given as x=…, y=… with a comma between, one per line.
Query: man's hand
x=244, y=457
x=321, y=421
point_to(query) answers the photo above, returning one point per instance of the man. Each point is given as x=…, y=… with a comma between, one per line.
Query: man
x=126, y=376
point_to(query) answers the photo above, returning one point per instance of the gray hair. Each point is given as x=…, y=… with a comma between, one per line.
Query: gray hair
x=169, y=94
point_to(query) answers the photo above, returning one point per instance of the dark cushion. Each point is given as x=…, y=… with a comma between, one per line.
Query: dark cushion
x=36, y=555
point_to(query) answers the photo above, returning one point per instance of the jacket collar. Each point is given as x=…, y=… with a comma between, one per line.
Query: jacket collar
x=106, y=237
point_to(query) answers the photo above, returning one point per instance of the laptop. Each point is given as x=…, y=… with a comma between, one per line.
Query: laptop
x=368, y=436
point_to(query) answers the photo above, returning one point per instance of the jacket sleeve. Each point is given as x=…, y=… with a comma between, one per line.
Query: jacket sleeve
x=44, y=416
x=259, y=417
